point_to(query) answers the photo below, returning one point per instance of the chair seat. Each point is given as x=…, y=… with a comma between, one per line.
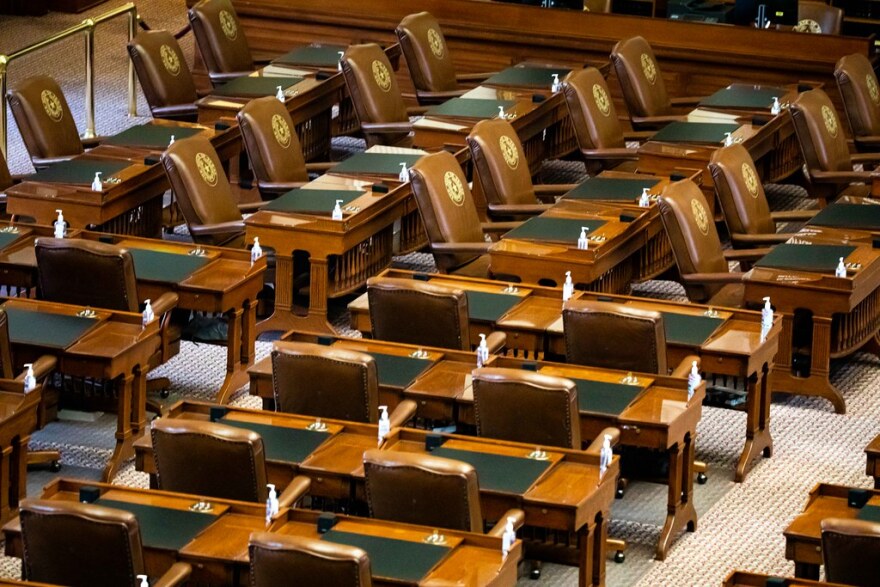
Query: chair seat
x=729, y=296
x=479, y=267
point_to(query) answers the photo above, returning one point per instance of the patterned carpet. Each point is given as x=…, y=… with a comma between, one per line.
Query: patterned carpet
x=740, y=525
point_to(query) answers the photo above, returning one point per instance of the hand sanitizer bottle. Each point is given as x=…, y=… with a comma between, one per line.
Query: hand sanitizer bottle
x=501, y=113
x=339, y=63
x=583, y=243
x=508, y=538
x=59, y=225
x=256, y=250
x=279, y=94
x=554, y=87
x=694, y=380
x=403, y=176
x=148, y=312
x=645, y=198
x=337, y=211
x=567, y=287
x=30, y=380
x=841, y=269
x=482, y=351
x=97, y=184
x=143, y=581
x=271, y=504
x=605, y=455
x=766, y=318
x=776, y=108
x=728, y=139
x=171, y=142
x=384, y=423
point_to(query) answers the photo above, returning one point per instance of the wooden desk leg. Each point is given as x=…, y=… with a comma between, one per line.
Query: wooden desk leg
x=139, y=403
x=248, y=332
x=284, y=318
x=236, y=373
x=586, y=554
x=20, y=462
x=600, y=539
x=123, y=449
x=5, y=482
x=680, y=512
x=758, y=438
x=806, y=571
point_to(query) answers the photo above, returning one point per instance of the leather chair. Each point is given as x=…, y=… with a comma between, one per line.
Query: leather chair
x=600, y=139
x=428, y=60
x=101, y=275
x=85, y=545
x=827, y=161
x=221, y=40
x=702, y=264
x=277, y=559
x=193, y=456
x=328, y=382
x=376, y=96
x=860, y=91
x=273, y=147
x=45, y=122
x=851, y=551
x=164, y=75
x=203, y=193
x=456, y=236
x=416, y=312
x=819, y=17
x=644, y=90
x=5, y=177
x=503, y=171
x=431, y=491
x=746, y=211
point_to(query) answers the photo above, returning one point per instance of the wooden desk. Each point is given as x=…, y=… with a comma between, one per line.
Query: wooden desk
x=748, y=579
x=18, y=419
x=733, y=349
x=803, y=537
x=117, y=348
x=872, y=467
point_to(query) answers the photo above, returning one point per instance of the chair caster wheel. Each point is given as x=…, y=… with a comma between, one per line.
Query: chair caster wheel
x=535, y=573
x=619, y=556
x=618, y=493
x=164, y=394
x=55, y=466
x=702, y=478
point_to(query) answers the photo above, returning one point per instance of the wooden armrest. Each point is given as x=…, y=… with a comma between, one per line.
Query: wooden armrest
x=684, y=367
x=217, y=228
x=596, y=446
x=554, y=188
x=416, y=110
x=386, y=127
x=321, y=165
x=519, y=518
x=760, y=239
x=622, y=153
x=438, y=96
x=218, y=78
x=686, y=100
x=294, y=491
x=164, y=303
x=712, y=278
x=820, y=176
x=43, y=367
x=43, y=162
x=518, y=209
x=403, y=413
x=865, y=157
x=474, y=77
x=640, y=136
x=868, y=141
x=176, y=575
x=498, y=227
x=746, y=255
x=175, y=110
x=659, y=120
x=496, y=341
x=479, y=247
x=792, y=215
x=281, y=187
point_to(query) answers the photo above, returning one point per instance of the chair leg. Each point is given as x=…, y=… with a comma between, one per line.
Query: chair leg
x=700, y=468
x=45, y=457
x=160, y=384
x=618, y=546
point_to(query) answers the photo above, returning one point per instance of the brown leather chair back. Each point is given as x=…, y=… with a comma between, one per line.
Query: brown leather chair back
x=374, y=92
x=427, y=56
x=415, y=312
x=860, y=91
x=44, y=119
x=644, y=90
x=210, y=459
x=277, y=559
x=220, y=38
x=326, y=382
x=740, y=191
x=592, y=113
x=501, y=163
x=851, y=551
x=521, y=406
x=271, y=141
x=6, y=367
x=86, y=273
x=819, y=15
x=614, y=336
x=692, y=234
x=446, y=206
x=79, y=544
x=162, y=70
x=199, y=182
x=5, y=177
x=821, y=136
x=422, y=489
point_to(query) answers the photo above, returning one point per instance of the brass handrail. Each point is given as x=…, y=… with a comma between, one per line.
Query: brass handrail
x=88, y=28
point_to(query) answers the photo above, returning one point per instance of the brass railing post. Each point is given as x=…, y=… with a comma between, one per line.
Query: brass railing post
x=90, y=79
x=133, y=18
x=3, y=62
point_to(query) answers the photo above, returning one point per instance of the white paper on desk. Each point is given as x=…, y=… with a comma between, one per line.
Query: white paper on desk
x=481, y=93
x=222, y=103
x=284, y=71
x=556, y=326
x=436, y=124
x=389, y=150
x=701, y=115
x=468, y=393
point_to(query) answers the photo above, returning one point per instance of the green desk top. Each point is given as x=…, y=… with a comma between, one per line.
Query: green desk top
x=498, y=472
x=287, y=445
x=687, y=329
x=378, y=163
x=78, y=171
x=870, y=513
x=820, y=258
x=744, y=96
x=694, y=132
x=44, y=329
x=397, y=371
x=469, y=108
x=489, y=307
x=255, y=87
x=866, y=217
x=309, y=201
x=167, y=267
x=604, y=397
x=607, y=188
x=555, y=230
x=313, y=55
x=529, y=76
x=7, y=238
x=164, y=528
x=153, y=136
x=393, y=559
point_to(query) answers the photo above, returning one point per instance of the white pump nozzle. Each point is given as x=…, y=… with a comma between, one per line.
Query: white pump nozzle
x=279, y=94
x=384, y=423
x=97, y=184
x=143, y=581
x=30, y=380
x=59, y=225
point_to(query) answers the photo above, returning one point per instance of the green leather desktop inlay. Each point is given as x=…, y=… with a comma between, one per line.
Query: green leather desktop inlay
x=489, y=307
x=379, y=163
x=866, y=217
x=688, y=329
x=393, y=559
x=45, y=329
x=255, y=87
x=498, y=472
x=7, y=238
x=821, y=258
x=78, y=171
x=164, y=528
x=606, y=188
x=527, y=76
x=605, y=397
x=469, y=108
x=309, y=201
x=694, y=132
x=870, y=513
x=287, y=445
x=555, y=230
x=397, y=371
x=313, y=56
x=168, y=267
x=151, y=136
x=741, y=96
